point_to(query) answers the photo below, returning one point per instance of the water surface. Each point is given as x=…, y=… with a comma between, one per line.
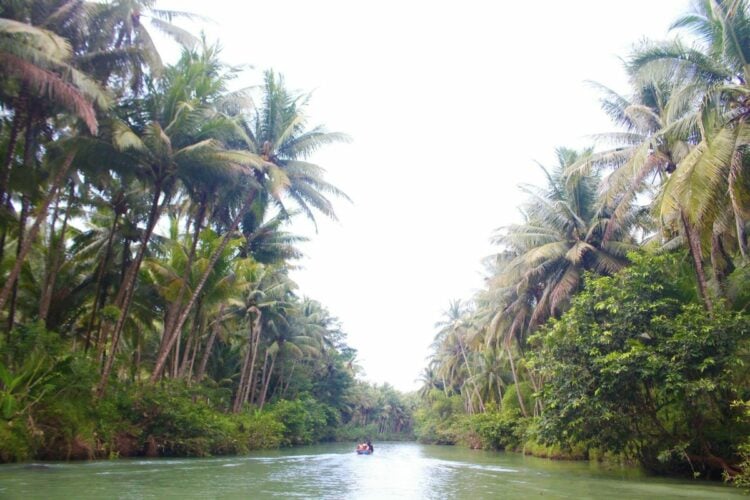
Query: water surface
x=395, y=470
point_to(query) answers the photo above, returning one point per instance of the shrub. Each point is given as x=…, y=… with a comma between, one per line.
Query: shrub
x=498, y=431
x=305, y=420
x=632, y=368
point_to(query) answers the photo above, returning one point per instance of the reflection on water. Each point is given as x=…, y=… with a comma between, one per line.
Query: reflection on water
x=395, y=470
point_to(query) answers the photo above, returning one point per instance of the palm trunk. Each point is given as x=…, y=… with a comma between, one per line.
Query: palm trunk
x=515, y=381
x=15, y=131
x=289, y=380
x=182, y=365
x=248, y=367
x=734, y=172
x=55, y=262
x=40, y=216
x=239, y=397
x=207, y=351
x=471, y=375
x=161, y=359
x=536, y=386
x=175, y=355
x=28, y=162
x=175, y=308
x=248, y=396
x=191, y=366
x=192, y=342
x=721, y=263
x=137, y=360
x=255, y=398
x=52, y=248
x=266, y=383
x=22, y=221
x=125, y=295
x=694, y=247
x=5, y=201
x=98, y=295
x=469, y=400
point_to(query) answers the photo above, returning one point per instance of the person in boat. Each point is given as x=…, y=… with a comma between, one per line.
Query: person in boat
x=362, y=447
x=369, y=446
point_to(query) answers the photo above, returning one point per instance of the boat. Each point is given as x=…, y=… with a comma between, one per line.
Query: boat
x=364, y=452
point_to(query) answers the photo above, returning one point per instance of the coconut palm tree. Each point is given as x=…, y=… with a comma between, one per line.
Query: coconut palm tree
x=277, y=135
x=704, y=126
x=164, y=154
x=456, y=343
x=278, y=131
x=40, y=82
x=565, y=233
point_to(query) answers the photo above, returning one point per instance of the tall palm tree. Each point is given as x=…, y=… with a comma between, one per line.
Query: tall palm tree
x=456, y=334
x=163, y=152
x=286, y=144
x=278, y=131
x=706, y=118
x=40, y=82
x=565, y=233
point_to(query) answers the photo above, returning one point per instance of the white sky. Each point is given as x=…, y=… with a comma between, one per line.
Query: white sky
x=449, y=105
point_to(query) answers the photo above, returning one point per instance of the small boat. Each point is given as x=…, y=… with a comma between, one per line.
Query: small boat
x=364, y=452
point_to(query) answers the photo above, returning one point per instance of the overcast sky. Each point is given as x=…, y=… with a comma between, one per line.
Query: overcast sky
x=450, y=105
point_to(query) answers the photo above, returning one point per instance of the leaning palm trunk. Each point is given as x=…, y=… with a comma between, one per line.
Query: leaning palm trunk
x=694, y=247
x=8, y=160
x=515, y=380
x=31, y=235
x=471, y=375
x=249, y=388
x=162, y=358
x=55, y=261
x=22, y=221
x=285, y=387
x=264, y=393
x=209, y=347
x=734, y=172
x=125, y=295
x=536, y=386
x=174, y=308
x=239, y=397
x=186, y=367
x=248, y=366
x=721, y=263
x=98, y=298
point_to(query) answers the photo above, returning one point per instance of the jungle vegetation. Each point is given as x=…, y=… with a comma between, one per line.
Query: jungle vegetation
x=613, y=321
x=146, y=304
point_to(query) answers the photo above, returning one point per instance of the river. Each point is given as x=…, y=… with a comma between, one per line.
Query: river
x=395, y=470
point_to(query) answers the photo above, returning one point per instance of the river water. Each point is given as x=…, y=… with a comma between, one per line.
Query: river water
x=395, y=470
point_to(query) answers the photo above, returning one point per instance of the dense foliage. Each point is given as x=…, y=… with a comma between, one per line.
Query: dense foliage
x=633, y=367
x=614, y=321
x=146, y=306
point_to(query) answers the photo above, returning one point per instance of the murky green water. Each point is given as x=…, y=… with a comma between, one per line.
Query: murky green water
x=395, y=470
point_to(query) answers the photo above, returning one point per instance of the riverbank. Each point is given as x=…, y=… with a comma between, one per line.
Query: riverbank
x=168, y=420
x=510, y=432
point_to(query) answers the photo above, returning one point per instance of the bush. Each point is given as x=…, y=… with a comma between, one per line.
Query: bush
x=511, y=406
x=260, y=430
x=15, y=442
x=48, y=411
x=439, y=420
x=498, y=431
x=305, y=420
x=635, y=369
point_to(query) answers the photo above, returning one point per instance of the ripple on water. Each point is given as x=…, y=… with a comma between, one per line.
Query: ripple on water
x=394, y=471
